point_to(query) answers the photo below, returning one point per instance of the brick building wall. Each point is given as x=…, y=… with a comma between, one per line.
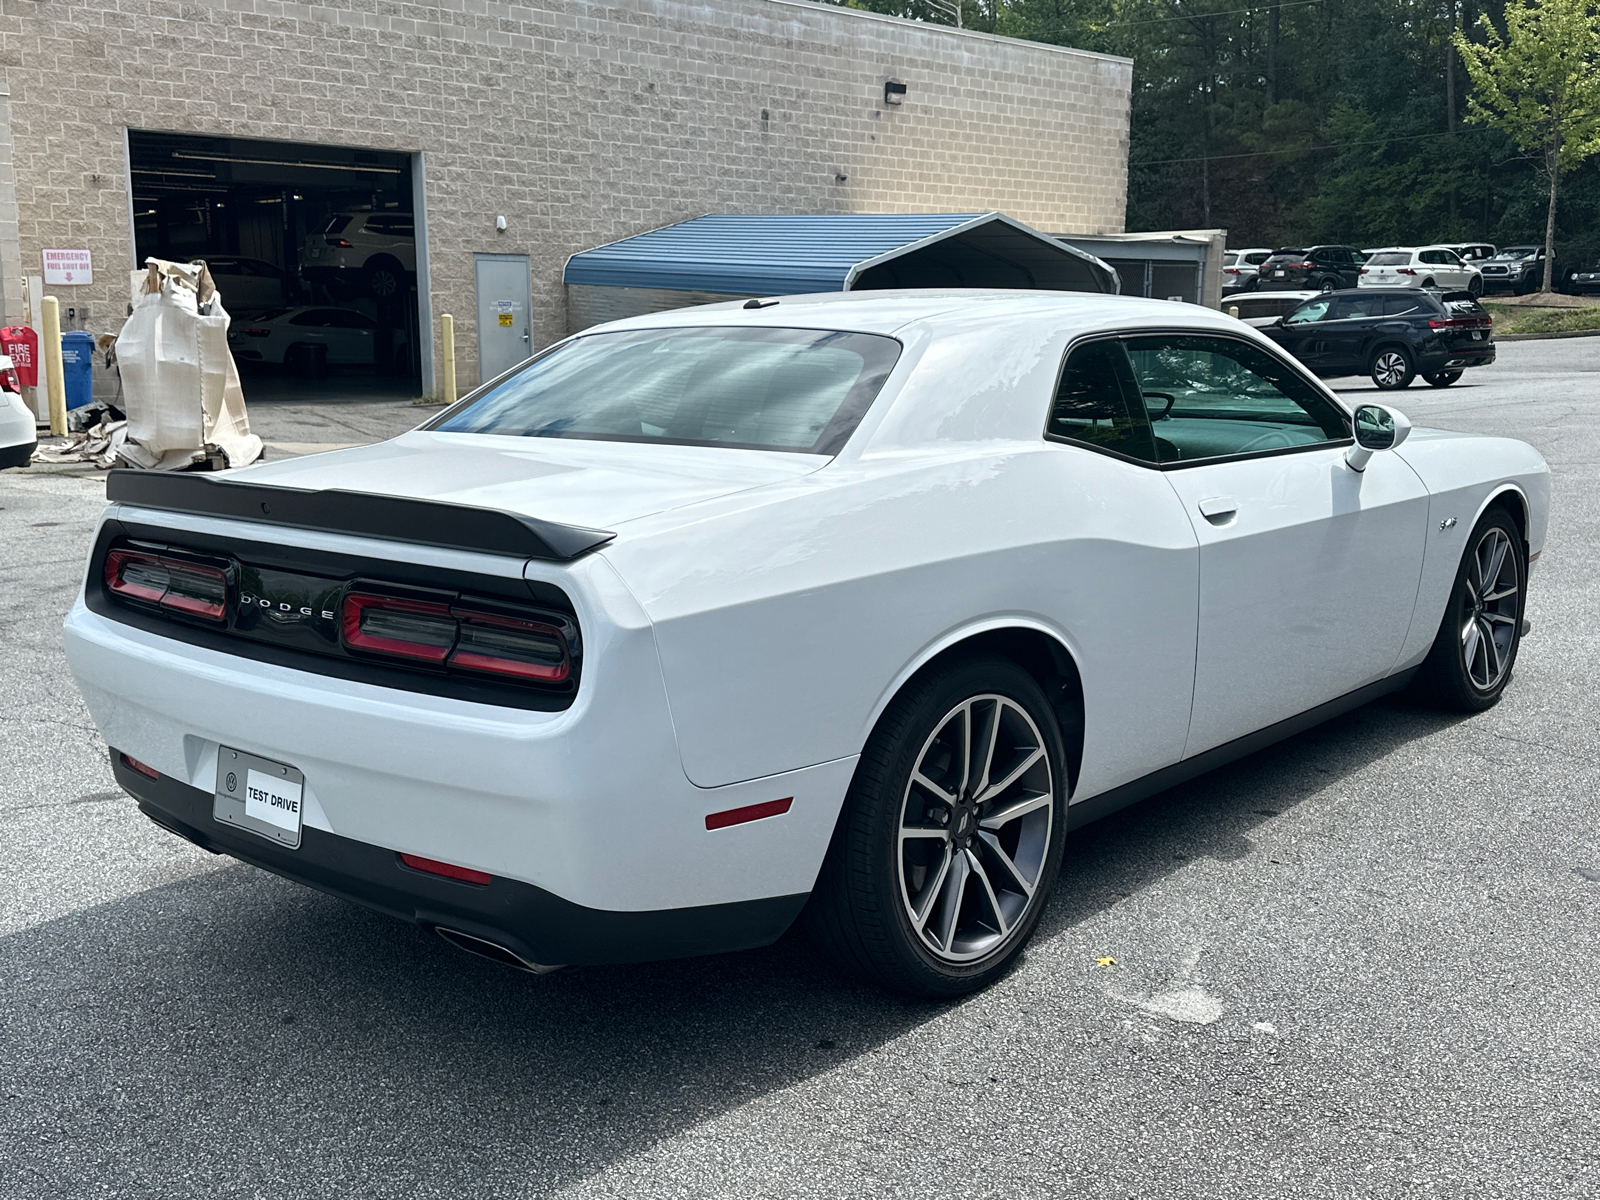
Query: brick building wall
x=580, y=123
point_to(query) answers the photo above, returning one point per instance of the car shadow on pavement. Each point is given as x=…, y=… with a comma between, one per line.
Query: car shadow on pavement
x=1217, y=815
x=236, y=1033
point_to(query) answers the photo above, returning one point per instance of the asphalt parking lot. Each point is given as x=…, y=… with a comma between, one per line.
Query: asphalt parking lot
x=1361, y=963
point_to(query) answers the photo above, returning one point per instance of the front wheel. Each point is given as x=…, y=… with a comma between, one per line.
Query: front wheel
x=1442, y=378
x=1476, y=647
x=1392, y=368
x=951, y=834
x=1475, y=286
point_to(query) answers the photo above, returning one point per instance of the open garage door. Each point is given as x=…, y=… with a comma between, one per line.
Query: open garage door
x=314, y=249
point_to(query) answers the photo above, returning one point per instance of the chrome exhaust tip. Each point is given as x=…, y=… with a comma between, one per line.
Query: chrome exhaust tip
x=494, y=951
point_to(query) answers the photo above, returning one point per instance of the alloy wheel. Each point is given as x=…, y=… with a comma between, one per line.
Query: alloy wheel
x=975, y=827
x=1389, y=368
x=1492, y=603
x=383, y=284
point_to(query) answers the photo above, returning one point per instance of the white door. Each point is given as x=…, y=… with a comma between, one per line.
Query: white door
x=504, y=304
x=1308, y=569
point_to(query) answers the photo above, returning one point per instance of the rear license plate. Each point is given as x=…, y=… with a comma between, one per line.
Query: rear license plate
x=256, y=794
x=1279, y=272
x=1477, y=335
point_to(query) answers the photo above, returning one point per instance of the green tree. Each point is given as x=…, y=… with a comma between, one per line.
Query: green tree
x=1540, y=84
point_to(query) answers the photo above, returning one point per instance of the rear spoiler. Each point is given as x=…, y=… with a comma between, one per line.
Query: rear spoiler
x=395, y=518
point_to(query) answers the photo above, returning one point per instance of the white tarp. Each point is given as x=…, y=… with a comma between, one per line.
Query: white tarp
x=180, y=386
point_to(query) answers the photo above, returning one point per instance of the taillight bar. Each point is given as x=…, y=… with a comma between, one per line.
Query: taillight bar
x=455, y=637
x=1460, y=322
x=191, y=589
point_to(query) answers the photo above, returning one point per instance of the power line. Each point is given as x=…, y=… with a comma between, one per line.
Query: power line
x=1162, y=162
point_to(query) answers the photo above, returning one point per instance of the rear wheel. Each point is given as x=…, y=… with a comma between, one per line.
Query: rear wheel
x=1429, y=283
x=1392, y=368
x=384, y=279
x=1442, y=378
x=1329, y=285
x=1476, y=647
x=951, y=834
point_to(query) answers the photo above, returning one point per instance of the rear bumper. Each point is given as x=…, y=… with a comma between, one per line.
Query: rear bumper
x=538, y=926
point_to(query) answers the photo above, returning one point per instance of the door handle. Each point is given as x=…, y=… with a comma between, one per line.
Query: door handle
x=1218, y=509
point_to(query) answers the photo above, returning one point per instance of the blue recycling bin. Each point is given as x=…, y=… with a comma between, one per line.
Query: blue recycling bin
x=77, y=363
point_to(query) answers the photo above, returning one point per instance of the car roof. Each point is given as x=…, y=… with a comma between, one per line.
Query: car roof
x=935, y=310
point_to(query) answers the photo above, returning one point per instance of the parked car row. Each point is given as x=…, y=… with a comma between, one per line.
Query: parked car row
x=1476, y=267
x=1392, y=334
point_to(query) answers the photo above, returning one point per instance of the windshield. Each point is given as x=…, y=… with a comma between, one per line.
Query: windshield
x=1518, y=252
x=757, y=389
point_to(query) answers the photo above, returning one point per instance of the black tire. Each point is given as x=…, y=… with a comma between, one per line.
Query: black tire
x=1430, y=283
x=1328, y=285
x=1392, y=368
x=1447, y=679
x=858, y=910
x=1475, y=286
x=1442, y=378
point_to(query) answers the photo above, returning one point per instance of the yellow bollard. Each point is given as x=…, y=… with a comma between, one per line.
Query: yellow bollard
x=50, y=348
x=447, y=343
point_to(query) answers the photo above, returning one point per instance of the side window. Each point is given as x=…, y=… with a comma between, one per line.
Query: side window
x=1214, y=396
x=1311, y=310
x=1350, y=308
x=315, y=317
x=1406, y=306
x=1097, y=403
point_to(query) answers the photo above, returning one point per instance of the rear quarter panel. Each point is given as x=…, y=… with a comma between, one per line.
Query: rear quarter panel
x=784, y=623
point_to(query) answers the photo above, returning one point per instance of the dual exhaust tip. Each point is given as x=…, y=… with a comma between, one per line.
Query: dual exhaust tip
x=493, y=951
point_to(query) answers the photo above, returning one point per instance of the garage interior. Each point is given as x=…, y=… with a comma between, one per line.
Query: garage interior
x=312, y=247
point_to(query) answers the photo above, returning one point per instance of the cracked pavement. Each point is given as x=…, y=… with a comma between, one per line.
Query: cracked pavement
x=1360, y=963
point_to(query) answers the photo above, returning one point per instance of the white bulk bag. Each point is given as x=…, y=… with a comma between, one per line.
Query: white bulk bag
x=180, y=386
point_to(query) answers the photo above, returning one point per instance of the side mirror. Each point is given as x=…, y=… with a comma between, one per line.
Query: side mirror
x=1376, y=428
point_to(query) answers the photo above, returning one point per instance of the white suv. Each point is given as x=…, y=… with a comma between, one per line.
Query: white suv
x=1240, y=267
x=374, y=253
x=1421, y=266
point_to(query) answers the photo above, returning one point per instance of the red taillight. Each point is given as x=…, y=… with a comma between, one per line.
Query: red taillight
x=448, y=870
x=414, y=629
x=1404, y=271
x=509, y=646
x=337, y=242
x=9, y=380
x=1230, y=270
x=1303, y=266
x=1363, y=270
x=256, y=332
x=461, y=639
x=135, y=764
x=189, y=588
x=1460, y=322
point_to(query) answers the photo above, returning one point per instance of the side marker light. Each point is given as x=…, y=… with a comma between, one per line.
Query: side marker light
x=750, y=812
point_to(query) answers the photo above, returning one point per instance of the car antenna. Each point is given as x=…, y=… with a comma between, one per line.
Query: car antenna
x=754, y=303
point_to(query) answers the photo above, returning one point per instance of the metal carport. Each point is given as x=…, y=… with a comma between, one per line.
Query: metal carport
x=734, y=256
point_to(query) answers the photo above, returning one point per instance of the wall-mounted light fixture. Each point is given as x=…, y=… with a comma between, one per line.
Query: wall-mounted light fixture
x=500, y=224
x=894, y=92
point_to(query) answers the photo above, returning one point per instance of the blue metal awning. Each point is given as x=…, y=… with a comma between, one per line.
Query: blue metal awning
x=736, y=254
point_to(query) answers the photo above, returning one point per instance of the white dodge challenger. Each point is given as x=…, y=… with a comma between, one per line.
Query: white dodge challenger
x=844, y=608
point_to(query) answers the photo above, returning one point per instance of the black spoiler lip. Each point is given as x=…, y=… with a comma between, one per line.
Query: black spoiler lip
x=394, y=518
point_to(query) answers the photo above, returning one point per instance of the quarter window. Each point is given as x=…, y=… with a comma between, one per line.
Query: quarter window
x=1097, y=403
x=1212, y=396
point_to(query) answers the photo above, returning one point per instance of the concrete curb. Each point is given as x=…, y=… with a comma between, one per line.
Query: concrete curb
x=1533, y=337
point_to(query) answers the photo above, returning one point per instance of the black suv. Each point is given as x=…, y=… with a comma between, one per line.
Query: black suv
x=1520, y=269
x=1314, y=269
x=1391, y=334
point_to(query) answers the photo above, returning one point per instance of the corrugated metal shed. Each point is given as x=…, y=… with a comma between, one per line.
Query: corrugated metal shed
x=735, y=254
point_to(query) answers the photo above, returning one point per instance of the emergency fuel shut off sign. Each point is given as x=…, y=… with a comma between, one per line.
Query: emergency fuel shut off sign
x=67, y=266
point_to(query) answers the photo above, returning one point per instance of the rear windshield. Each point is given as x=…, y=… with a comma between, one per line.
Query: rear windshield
x=336, y=224
x=1392, y=259
x=760, y=389
x=1463, y=304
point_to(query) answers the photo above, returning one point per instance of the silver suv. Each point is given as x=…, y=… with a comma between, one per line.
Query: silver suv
x=373, y=253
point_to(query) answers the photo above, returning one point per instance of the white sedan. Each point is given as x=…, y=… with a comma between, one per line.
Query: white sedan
x=840, y=608
x=335, y=336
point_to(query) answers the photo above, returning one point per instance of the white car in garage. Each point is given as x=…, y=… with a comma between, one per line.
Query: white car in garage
x=840, y=608
x=1421, y=266
x=337, y=336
